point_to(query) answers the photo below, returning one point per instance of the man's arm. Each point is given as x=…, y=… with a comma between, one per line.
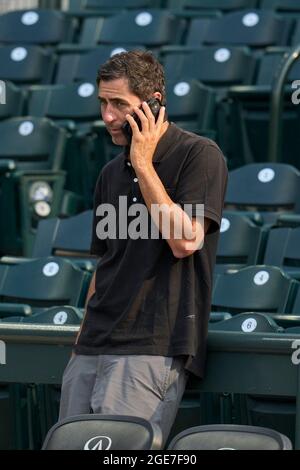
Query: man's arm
x=170, y=215
x=91, y=291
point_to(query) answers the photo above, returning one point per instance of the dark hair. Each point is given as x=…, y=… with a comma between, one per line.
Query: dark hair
x=144, y=73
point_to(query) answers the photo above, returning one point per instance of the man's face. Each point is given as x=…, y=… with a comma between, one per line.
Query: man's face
x=116, y=101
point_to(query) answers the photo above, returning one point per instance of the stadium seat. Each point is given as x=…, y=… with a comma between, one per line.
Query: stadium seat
x=267, y=188
x=68, y=237
x=248, y=322
x=191, y=105
x=214, y=66
x=258, y=288
x=44, y=27
x=151, y=28
x=83, y=66
x=75, y=102
x=26, y=65
x=31, y=158
x=103, y=432
x=240, y=244
x=64, y=315
x=230, y=437
x=29, y=197
x=247, y=136
x=283, y=250
x=75, y=106
x=32, y=143
x=42, y=283
x=253, y=28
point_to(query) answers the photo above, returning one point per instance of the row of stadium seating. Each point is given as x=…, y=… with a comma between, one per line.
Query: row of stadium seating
x=256, y=28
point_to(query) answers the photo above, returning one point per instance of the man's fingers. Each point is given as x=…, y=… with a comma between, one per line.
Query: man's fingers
x=149, y=115
x=133, y=123
x=161, y=116
x=143, y=118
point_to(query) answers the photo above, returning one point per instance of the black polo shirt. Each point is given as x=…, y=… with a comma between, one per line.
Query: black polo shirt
x=147, y=301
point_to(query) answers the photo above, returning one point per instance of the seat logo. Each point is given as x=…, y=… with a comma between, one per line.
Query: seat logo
x=98, y=443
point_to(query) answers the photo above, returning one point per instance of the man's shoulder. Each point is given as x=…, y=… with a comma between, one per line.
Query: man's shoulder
x=191, y=139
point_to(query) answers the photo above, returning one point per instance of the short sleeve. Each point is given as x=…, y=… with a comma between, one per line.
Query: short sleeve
x=98, y=247
x=203, y=180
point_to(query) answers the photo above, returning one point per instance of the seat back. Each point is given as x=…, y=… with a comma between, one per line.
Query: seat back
x=264, y=187
x=215, y=66
x=255, y=288
x=248, y=322
x=32, y=143
x=76, y=101
x=254, y=28
x=70, y=237
x=84, y=66
x=240, y=243
x=44, y=282
x=103, y=432
x=45, y=27
x=230, y=437
x=26, y=64
x=283, y=250
x=151, y=28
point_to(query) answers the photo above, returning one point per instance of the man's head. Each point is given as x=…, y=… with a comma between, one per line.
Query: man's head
x=125, y=81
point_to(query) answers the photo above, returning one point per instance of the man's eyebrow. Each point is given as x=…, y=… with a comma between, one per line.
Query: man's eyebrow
x=113, y=99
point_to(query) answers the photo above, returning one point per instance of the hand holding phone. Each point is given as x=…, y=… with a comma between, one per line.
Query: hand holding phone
x=154, y=105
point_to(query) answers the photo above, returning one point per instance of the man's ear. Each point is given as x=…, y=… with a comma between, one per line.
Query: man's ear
x=157, y=95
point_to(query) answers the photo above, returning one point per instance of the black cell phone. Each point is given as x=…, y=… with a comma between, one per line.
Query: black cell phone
x=155, y=105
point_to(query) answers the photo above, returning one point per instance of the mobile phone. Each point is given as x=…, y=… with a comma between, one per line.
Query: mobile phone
x=155, y=105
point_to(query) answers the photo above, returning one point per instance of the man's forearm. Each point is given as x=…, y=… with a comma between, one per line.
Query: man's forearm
x=91, y=291
x=170, y=215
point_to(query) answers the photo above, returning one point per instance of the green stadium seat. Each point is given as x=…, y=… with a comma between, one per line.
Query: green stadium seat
x=64, y=315
x=258, y=288
x=42, y=283
x=247, y=137
x=67, y=237
x=268, y=188
x=283, y=250
x=75, y=106
x=191, y=105
x=26, y=65
x=214, y=66
x=45, y=27
x=240, y=244
x=230, y=437
x=152, y=28
x=248, y=322
x=253, y=28
x=83, y=65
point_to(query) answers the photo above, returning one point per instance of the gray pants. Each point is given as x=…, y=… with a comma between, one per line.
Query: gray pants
x=150, y=387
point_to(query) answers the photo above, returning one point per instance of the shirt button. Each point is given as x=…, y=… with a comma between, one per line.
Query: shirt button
x=128, y=163
x=134, y=199
x=135, y=180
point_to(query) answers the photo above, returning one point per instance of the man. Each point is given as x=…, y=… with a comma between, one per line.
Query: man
x=148, y=304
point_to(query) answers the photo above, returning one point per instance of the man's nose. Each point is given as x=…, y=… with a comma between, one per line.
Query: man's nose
x=108, y=115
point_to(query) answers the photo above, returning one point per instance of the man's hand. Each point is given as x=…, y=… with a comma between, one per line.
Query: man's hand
x=144, y=142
